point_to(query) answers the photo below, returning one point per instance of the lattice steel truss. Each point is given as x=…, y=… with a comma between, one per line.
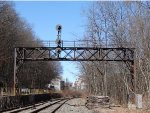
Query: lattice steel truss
x=23, y=54
x=73, y=54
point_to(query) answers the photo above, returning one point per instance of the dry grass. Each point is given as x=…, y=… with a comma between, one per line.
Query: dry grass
x=146, y=103
x=121, y=110
x=146, y=108
x=71, y=93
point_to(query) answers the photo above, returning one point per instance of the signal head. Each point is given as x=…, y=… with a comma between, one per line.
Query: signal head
x=58, y=27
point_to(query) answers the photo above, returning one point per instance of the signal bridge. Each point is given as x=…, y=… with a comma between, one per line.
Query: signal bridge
x=84, y=50
x=73, y=51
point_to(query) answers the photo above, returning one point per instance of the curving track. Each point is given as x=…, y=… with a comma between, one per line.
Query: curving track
x=44, y=107
x=52, y=108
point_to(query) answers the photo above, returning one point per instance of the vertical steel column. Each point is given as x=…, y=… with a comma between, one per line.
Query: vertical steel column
x=15, y=71
x=74, y=50
x=132, y=76
x=133, y=87
x=105, y=78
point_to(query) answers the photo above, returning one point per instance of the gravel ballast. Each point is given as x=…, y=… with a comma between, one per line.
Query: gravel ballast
x=76, y=105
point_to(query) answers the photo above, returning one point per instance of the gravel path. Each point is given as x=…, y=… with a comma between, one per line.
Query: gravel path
x=74, y=106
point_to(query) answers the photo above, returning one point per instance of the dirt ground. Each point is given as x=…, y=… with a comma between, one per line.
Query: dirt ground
x=120, y=110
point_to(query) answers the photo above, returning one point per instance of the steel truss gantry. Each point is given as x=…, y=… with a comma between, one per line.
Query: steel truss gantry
x=73, y=54
x=61, y=52
x=126, y=55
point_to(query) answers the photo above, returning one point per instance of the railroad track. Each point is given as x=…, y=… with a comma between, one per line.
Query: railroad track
x=51, y=108
x=44, y=107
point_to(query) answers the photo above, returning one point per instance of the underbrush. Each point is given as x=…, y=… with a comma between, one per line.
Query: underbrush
x=73, y=93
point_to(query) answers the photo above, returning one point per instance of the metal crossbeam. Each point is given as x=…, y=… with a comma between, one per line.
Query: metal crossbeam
x=74, y=54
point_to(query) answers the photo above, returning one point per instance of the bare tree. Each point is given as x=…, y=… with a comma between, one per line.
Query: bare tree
x=14, y=31
x=119, y=24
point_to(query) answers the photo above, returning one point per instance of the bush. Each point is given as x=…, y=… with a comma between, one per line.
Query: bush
x=72, y=93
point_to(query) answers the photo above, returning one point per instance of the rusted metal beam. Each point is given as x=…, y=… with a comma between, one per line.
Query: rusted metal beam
x=74, y=54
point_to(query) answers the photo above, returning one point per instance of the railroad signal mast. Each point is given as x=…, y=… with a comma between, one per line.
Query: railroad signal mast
x=58, y=40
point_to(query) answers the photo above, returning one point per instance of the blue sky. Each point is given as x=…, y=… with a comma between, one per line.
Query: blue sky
x=44, y=16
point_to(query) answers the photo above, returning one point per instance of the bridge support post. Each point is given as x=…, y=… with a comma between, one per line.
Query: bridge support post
x=15, y=71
